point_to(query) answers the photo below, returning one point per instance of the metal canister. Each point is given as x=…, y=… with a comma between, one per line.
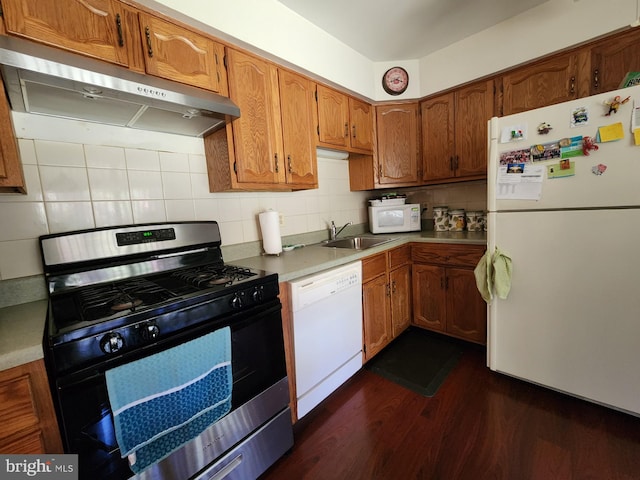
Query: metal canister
x=474, y=221
x=456, y=220
x=441, y=219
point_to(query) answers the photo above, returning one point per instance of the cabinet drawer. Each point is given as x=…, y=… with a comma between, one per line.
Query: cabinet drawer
x=374, y=266
x=17, y=409
x=399, y=256
x=448, y=254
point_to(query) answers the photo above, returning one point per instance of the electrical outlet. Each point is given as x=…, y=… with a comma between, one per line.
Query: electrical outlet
x=281, y=220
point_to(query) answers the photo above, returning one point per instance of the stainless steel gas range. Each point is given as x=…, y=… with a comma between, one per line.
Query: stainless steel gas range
x=121, y=294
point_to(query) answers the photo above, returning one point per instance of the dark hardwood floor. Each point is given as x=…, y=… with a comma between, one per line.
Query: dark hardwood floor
x=479, y=425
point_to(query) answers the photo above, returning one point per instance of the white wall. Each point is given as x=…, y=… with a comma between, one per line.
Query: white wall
x=82, y=175
x=552, y=26
x=269, y=26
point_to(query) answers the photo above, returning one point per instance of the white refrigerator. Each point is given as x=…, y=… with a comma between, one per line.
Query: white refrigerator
x=571, y=226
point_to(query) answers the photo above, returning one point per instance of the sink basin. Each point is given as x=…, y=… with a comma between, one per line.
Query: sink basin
x=358, y=243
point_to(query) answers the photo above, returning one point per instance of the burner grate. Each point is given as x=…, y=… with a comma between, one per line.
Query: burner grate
x=107, y=300
x=211, y=276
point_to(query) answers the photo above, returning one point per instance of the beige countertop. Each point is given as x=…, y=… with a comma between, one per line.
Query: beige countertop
x=315, y=258
x=22, y=326
x=21, y=331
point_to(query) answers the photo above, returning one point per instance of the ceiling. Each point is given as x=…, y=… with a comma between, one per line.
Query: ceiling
x=384, y=30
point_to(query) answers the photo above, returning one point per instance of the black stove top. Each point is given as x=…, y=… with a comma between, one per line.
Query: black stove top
x=167, y=278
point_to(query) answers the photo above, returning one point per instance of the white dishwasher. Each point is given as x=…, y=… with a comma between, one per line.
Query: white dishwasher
x=327, y=332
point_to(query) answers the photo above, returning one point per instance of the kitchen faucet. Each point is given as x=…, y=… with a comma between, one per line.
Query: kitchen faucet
x=335, y=234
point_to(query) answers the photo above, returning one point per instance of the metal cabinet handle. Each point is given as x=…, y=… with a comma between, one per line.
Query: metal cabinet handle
x=596, y=79
x=572, y=88
x=147, y=33
x=275, y=157
x=346, y=129
x=388, y=290
x=456, y=162
x=119, y=28
x=353, y=131
x=289, y=162
x=393, y=286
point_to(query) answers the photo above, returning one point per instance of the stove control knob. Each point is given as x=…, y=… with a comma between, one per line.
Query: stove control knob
x=149, y=331
x=236, y=301
x=111, y=342
x=258, y=294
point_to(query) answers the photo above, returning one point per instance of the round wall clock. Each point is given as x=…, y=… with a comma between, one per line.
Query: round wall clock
x=395, y=80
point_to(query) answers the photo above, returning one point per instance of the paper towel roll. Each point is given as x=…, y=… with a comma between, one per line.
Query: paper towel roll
x=270, y=226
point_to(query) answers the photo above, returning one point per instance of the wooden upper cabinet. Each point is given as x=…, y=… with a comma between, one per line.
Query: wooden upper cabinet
x=11, y=176
x=98, y=28
x=398, y=149
x=474, y=108
x=543, y=83
x=272, y=146
x=181, y=55
x=344, y=122
x=333, y=117
x=257, y=134
x=297, y=106
x=611, y=60
x=454, y=133
x=438, y=136
x=361, y=127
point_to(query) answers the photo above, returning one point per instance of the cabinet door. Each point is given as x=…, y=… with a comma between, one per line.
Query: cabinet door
x=257, y=134
x=397, y=143
x=11, y=177
x=361, y=115
x=376, y=316
x=429, y=296
x=333, y=117
x=612, y=59
x=438, y=137
x=474, y=108
x=466, y=311
x=181, y=55
x=400, y=281
x=29, y=422
x=298, y=113
x=92, y=27
x=544, y=83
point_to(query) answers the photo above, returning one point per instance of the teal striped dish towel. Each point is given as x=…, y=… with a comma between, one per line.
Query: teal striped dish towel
x=162, y=401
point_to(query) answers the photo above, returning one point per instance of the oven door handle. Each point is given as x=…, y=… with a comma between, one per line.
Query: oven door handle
x=224, y=471
x=178, y=254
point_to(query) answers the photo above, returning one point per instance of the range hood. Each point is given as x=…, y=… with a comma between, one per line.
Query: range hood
x=46, y=81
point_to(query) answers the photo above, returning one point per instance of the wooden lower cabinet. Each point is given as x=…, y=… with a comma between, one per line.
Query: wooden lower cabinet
x=445, y=296
x=29, y=424
x=386, y=298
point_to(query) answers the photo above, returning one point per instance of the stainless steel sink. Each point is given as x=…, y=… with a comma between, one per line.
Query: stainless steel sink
x=357, y=243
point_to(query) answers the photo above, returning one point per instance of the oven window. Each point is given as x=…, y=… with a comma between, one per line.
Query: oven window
x=258, y=361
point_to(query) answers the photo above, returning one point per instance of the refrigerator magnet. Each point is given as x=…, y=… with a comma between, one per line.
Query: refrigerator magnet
x=598, y=169
x=579, y=117
x=513, y=133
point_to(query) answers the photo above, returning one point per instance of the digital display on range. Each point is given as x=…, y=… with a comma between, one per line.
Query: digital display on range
x=145, y=236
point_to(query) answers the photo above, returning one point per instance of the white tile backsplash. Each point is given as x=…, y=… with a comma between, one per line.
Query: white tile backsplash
x=101, y=156
x=59, y=153
x=22, y=221
x=66, y=216
x=112, y=213
x=60, y=184
x=108, y=184
x=100, y=175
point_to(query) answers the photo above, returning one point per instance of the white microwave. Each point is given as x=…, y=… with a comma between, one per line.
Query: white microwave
x=394, y=218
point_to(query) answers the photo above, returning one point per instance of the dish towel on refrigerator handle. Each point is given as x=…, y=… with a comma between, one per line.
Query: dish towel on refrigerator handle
x=493, y=273
x=162, y=401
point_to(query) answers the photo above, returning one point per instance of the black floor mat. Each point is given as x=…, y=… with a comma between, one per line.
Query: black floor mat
x=418, y=360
